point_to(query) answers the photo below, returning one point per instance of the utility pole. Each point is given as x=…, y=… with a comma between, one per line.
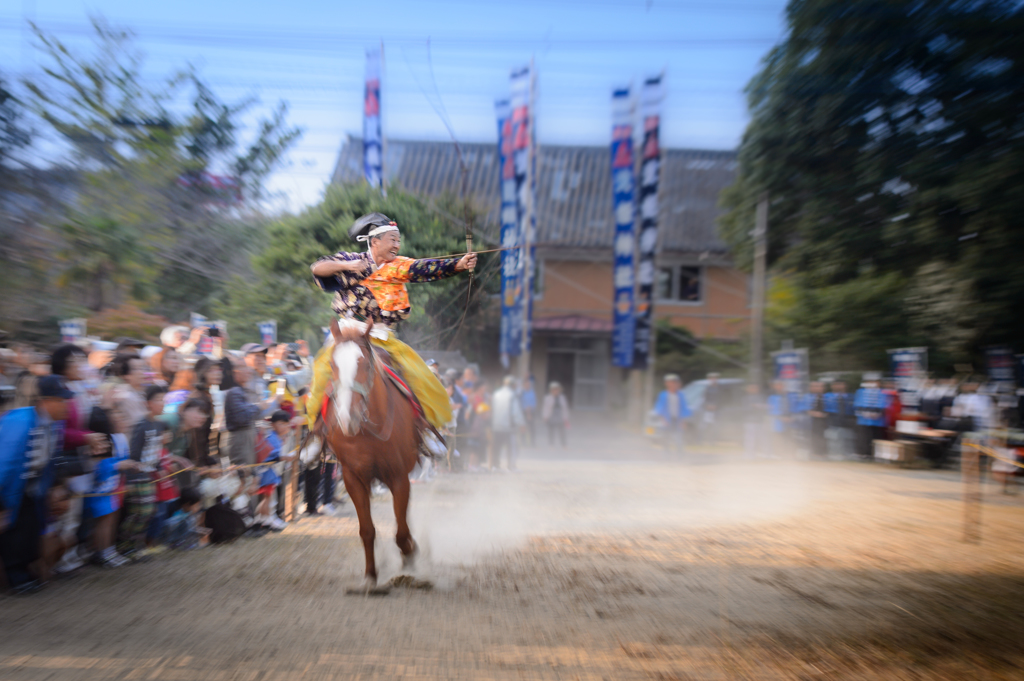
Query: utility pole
x=758, y=302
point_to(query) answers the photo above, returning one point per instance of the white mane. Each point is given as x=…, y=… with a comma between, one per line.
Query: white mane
x=346, y=358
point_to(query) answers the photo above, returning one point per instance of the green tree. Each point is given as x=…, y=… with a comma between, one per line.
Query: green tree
x=106, y=260
x=13, y=134
x=679, y=352
x=890, y=137
x=145, y=165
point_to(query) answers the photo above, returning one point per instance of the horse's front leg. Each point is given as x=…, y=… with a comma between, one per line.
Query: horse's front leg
x=400, y=494
x=359, y=493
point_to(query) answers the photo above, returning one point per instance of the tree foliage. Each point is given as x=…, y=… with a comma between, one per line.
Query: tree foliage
x=145, y=153
x=105, y=260
x=679, y=352
x=126, y=320
x=889, y=135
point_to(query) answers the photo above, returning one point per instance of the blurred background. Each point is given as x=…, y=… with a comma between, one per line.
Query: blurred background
x=746, y=325
x=162, y=161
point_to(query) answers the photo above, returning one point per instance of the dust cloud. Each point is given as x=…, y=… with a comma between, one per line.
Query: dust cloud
x=461, y=519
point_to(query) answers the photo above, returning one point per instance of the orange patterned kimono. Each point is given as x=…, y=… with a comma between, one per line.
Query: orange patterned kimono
x=381, y=295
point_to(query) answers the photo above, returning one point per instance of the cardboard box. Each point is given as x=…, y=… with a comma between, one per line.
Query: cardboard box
x=899, y=451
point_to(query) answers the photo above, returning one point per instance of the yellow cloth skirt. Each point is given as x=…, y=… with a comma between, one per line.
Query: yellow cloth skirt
x=424, y=384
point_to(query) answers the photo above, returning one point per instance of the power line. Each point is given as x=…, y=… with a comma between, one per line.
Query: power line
x=312, y=41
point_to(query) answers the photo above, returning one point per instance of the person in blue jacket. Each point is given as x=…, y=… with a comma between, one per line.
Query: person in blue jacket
x=778, y=414
x=30, y=437
x=869, y=405
x=673, y=410
x=280, y=423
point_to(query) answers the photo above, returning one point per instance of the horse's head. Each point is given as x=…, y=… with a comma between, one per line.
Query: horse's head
x=353, y=375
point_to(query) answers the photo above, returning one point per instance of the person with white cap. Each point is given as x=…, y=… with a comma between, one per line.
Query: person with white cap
x=371, y=286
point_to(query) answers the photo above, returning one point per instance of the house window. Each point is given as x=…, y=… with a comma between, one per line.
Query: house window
x=689, y=284
x=679, y=284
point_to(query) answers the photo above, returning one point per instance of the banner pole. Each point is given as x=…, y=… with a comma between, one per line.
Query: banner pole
x=757, y=304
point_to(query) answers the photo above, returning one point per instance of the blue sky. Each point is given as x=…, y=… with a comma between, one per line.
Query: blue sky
x=311, y=54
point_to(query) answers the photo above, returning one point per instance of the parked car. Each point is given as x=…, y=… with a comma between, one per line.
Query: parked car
x=731, y=389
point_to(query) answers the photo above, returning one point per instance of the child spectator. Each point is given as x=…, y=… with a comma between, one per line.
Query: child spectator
x=105, y=503
x=269, y=480
x=183, y=528
x=167, y=490
x=183, y=425
x=57, y=538
x=145, y=448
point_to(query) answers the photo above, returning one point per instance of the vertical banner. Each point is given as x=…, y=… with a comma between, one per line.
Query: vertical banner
x=791, y=369
x=1000, y=363
x=268, y=332
x=625, y=235
x=511, y=260
x=72, y=330
x=909, y=367
x=522, y=164
x=650, y=111
x=373, y=138
x=205, y=344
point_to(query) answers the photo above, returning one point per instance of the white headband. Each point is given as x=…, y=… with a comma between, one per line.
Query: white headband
x=377, y=231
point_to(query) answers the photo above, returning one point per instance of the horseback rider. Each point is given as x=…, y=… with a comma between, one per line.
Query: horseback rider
x=371, y=285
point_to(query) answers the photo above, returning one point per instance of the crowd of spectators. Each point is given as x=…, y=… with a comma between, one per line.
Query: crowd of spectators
x=110, y=456
x=489, y=425
x=828, y=420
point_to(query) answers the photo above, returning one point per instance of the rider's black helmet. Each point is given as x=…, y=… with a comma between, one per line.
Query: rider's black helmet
x=363, y=225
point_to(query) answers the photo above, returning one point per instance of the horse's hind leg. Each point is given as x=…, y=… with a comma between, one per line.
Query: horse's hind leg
x=359, y=493
x=400, y=494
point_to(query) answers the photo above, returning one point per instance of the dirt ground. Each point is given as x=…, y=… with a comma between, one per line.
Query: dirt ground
x=712, y=567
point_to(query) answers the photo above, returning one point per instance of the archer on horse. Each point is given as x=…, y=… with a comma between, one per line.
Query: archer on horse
x=371, y=285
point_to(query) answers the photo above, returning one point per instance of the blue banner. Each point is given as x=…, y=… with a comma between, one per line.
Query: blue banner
x=373, y=137
x=523, y=166
x=908, y=366
x=791, y=369
x=1000, y=363
x=650, y=168
x=72, y=330
x=511, y=261
x=623, y=182
x=268, y=332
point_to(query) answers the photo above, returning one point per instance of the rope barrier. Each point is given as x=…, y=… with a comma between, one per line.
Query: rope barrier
x=171, y=475
x=988, y=451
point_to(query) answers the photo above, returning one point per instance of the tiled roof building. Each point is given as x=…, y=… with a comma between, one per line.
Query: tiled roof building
x=697, y=286
x=573, y=189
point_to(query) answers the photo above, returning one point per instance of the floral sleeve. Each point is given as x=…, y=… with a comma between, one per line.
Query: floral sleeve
x=432, y=269
x=342, y=280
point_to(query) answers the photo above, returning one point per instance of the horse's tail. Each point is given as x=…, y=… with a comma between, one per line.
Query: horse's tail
x=434, y=452
x=311, y=447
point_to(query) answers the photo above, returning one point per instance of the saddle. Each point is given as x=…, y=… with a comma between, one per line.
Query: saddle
x=394, y=374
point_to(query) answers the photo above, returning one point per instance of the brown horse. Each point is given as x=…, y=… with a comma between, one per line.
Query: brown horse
x=370, y=426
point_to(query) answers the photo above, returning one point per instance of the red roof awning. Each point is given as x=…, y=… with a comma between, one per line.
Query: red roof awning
x=573, y=322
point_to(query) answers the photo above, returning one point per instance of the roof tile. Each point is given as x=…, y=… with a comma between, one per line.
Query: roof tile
x=574, y=203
